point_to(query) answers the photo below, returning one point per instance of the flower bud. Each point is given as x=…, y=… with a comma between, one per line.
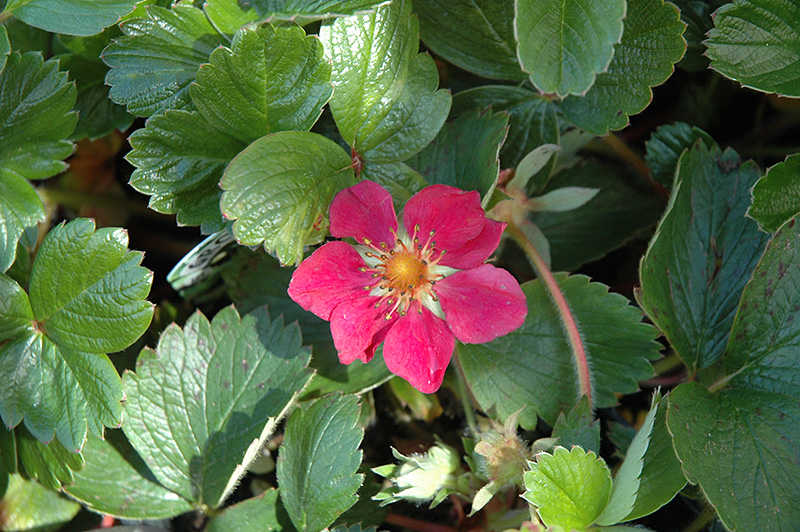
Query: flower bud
x=422, y=477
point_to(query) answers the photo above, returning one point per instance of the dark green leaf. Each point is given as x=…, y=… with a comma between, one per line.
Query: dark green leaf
x=20, y=208
x=24, y=38
x=73, y=17
x=179, y=159
x=279, y=189
x=115, y=481
x=742, y=447
x=665, y=147
x=16, y=316
x=564, y=45
x=319, y=460
x=764, y=342
x=531, y=119
x=258, y=514
x=696, y=14
x=268, y=80
x=579, y=428
x=8, y=450
x=465, y=152
x=477, y=36
x=385, y=104
x=35, y=116
x=51, y=464
x=702, y=254
x=619, y=212
x=568, y=488
x=5, y=47
x=757, y=43
x=515, y=370
x=157, y=58
x=651, y=45
x=400, y=180
x=776, y=196
x=218, y=389
x=28, y=506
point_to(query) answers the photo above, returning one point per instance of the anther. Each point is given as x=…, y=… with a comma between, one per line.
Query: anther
x=432, y=232
x=417, y=228
x=363, y=269
x=367, y=241
x=369, y=254
x=375, y=274
x=384, y=246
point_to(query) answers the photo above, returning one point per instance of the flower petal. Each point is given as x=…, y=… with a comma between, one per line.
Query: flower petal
x=364, y=210
x=455, y=215
x=475, y=252
x=418, y=348
x=481, y=304
x=329, y=277
x=358, y=328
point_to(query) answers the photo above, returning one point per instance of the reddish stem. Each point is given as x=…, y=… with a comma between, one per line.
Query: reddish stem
x=567, y=318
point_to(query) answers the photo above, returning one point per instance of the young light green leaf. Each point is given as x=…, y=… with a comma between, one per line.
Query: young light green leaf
x=157, y=58
x=73, y=17
x=651, y=45
x=512, y=371
x=661, y=477
x=757, y=43
x=532, y=119
x=279, y=189
x=217, y=388
x=465, y=152
x=477, y=36
x=665, y=147
x=29, y=506
x=319, y=460
x=568, y=488
x=563, y=199
x=702, y=254
x=628, y=477
x=762, y=350
x=35, y=116
x=268, y=80
x=564, y=45
x=741, y=446
x=776, y=196
x=532, y=164
x=115, y=481
x=179, y=159
x=50, y=464
x=258, y=514
x=579, y=428
x=623, y=209
x=385, y=101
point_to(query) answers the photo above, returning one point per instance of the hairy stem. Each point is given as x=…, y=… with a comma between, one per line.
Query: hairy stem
x=570, y=326
x=629, y=156
x=466, y=401
x=702, y=520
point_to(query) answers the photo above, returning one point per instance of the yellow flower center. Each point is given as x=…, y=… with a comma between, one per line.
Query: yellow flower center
x=405, y=270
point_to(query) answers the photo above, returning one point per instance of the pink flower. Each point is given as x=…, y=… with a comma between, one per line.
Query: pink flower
x=415, y=286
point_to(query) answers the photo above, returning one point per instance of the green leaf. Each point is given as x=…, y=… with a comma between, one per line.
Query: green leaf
x=627, y=479
x=16, y=316
x=651, y=45
x=465, y=152
x=28, y=506
x=319, y=460
x=99, y=304
x=399, y=179
x=229, y=15
x=622, y=210
x=477, y=36
x=262, y=513
x=757, y=43
x=218, y=389
x=579, y=428
x=532, y=119
x=268, y=80
x=35, y=117
x=564, y=45
x=385, y=104
x=696, y=14
x=279, y=189
x=51, y=464
x=661, y=477
x=115, y=481
x=568, y=488
x=762, y=351
x=741, y=446
x=5, y=47
x=157, y=58
x=20, y=208
x=179, y=158
x=665, y=147
x=87, y=298
x=702, y=254
x=97, y=115
x=515, y=370
x=73, y=17
x=776, y=196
